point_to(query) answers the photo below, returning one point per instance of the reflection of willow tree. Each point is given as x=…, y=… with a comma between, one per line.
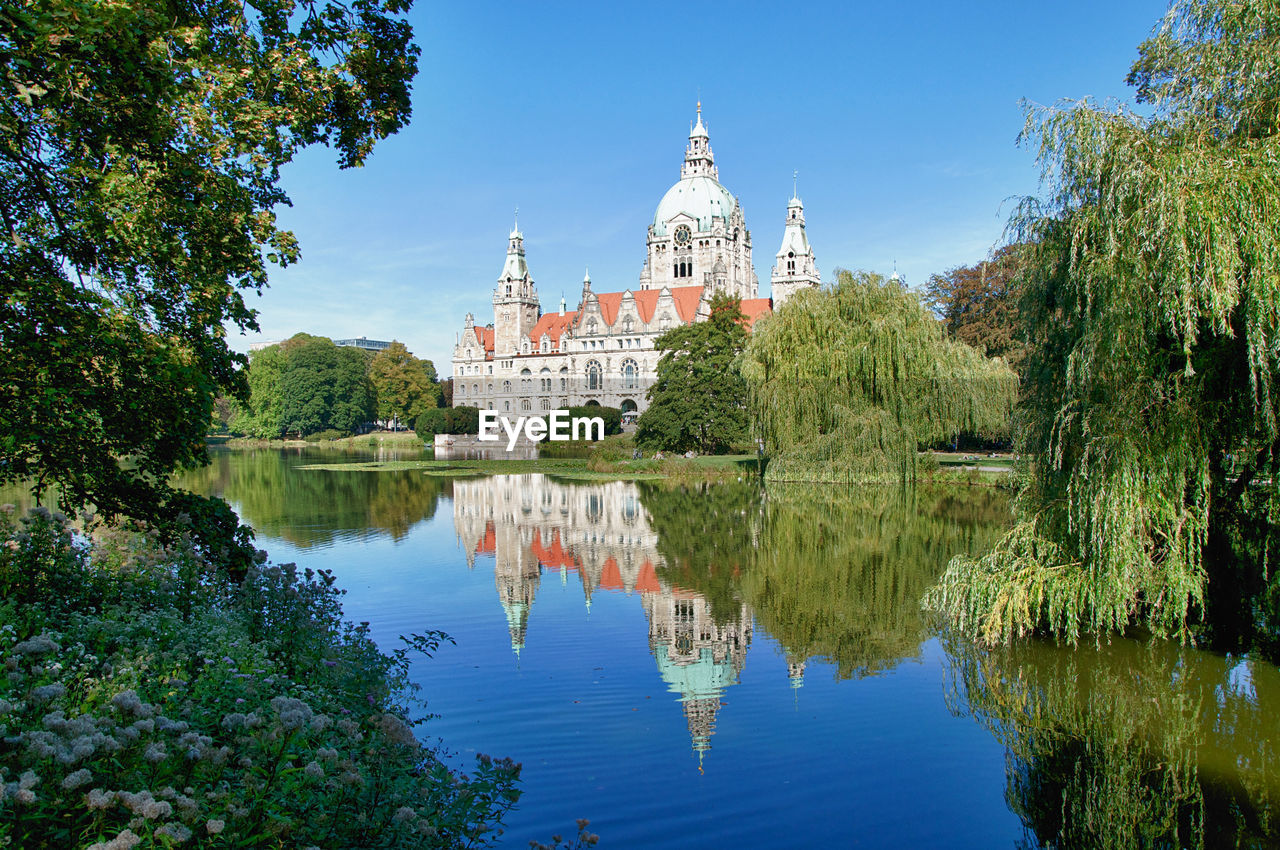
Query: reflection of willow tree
x=833, y=573
x=840, y=574
x=312, y=507
x=1130, y=745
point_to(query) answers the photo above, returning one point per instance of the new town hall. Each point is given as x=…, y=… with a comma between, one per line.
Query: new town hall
x=529, y=361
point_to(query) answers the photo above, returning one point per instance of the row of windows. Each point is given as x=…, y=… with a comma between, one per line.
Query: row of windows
x=594, y=372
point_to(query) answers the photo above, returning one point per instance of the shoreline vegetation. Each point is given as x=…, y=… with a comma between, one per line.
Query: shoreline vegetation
x=155, y=695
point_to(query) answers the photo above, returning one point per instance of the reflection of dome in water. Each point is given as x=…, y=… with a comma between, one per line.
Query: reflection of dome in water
x=699, y=681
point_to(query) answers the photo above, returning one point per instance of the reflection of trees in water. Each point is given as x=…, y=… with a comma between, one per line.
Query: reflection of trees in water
x=312, y=507
x=1130, y=745
x=840, y=573
x=829, y=572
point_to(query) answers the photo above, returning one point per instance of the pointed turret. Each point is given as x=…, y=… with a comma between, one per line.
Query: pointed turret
x=698, y=159
x=515, y=299
x=796, y=266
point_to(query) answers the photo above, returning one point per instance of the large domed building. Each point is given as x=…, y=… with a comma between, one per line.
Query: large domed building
x=698, y=244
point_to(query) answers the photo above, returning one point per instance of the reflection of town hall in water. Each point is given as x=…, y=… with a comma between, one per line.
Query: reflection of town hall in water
x=529, y=524
x=698, y=244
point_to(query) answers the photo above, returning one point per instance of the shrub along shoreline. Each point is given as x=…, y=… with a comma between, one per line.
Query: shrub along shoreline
x=153, y=698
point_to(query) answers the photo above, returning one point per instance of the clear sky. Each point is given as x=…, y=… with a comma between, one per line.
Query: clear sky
x=902, y=120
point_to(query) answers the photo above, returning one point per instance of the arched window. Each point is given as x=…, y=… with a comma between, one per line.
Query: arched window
x=630, y=374
x=626, y=324
x=524, y=405
x=591, y=326
x=506, y=386
x=564, y=378
x=546, y=404
x=594, y=375
x=475, y=389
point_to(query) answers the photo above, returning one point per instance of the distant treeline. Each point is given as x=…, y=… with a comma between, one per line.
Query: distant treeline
x=308, y=386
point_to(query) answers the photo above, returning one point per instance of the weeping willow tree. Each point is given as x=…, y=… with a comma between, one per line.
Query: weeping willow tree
x=1153, y=313
x=846, y=383
x=1132, y=745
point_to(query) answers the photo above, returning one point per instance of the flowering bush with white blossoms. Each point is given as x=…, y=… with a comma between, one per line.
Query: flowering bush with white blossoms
x=148, y=699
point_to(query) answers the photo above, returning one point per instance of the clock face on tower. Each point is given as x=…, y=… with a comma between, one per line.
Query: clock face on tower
x=682, y=235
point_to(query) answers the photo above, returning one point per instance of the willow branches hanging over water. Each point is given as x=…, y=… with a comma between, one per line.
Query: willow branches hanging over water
x=1153, y=312
x=846, y=383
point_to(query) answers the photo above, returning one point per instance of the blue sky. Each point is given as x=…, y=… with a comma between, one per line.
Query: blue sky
x=901, y=119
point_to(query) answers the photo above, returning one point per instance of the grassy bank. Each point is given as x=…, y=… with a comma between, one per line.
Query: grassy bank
x=153, y=699
x=376, y=440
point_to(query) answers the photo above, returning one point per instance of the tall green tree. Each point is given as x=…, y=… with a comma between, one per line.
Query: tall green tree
x=698, y=400
x=847, y=383
x=141, y=145
x=403, y=385
x=1152, y=304
x=323, y=387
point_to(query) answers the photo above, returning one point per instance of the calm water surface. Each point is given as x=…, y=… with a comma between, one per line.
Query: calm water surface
x=730, y=666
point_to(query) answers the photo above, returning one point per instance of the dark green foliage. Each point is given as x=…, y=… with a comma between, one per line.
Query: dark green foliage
x=1151, y=306
x=447, y=420
x=304, y=386
x=612, y=417
x=848, y=383
x=698, y=400
x=462, y=420
x=324, y=386
x=431, y=422
x=140, y=149
x=148, y=694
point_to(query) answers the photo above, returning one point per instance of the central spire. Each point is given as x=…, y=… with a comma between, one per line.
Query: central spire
x=698, y=159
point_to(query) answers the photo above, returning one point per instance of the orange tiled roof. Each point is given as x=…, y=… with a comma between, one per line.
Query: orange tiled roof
x=685, y=297
x=485, y=336
x=754, y=308
x=553, y=325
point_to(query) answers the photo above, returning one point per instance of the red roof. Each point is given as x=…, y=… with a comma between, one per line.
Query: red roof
x=485, y=335
x=686, y=299
x=553, y=325
x=754, y=308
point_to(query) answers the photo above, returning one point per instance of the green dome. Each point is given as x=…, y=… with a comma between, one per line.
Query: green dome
x=701, y=197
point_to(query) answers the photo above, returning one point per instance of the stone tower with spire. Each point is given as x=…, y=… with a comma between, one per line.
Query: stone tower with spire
x=796, y=266
x=515, y=300
x=699, y=235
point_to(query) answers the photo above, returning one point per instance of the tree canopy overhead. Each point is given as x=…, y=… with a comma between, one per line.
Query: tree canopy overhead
x=1152, y=306
x=140, y=152
x=847, y=382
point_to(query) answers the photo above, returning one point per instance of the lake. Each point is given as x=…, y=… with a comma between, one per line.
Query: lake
x=721, y=666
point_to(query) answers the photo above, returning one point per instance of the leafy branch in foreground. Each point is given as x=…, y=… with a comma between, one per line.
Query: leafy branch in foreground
x=140, y=152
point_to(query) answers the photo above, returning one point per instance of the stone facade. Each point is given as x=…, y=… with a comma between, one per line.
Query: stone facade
x=698, y=244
